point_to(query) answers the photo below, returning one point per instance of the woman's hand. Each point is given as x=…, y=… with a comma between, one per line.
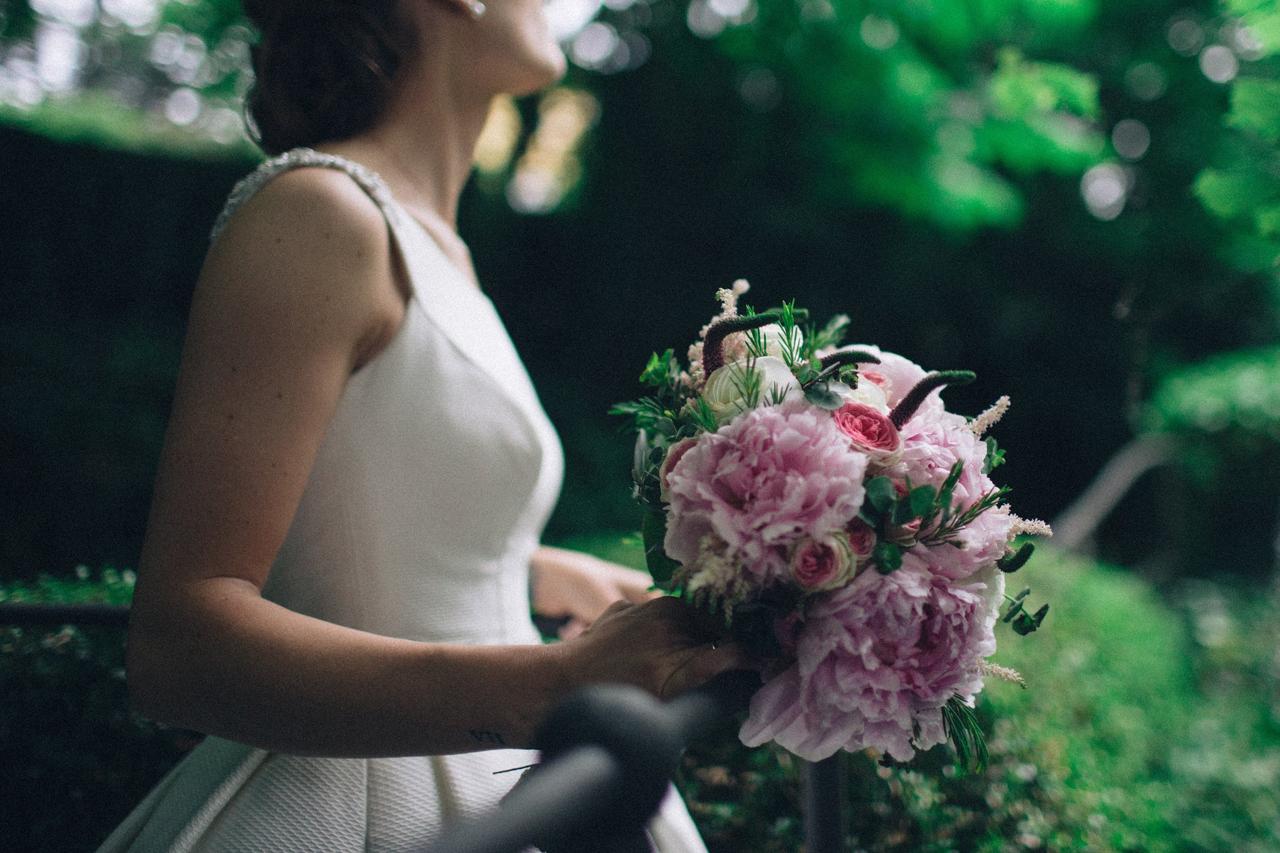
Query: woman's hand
x=663, y=646
x=580, y=587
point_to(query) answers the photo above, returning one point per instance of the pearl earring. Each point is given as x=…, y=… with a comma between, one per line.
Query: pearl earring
x=477, y=8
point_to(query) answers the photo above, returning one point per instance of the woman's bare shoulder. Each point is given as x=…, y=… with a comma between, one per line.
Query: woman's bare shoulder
x=306, y=211
x=313, y=240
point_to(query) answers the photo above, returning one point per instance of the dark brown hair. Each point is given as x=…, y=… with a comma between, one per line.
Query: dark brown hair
x=323, y=68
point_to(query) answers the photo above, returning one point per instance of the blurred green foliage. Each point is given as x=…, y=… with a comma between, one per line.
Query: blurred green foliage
x=856, y=155
x=76, y=760
x=1243, y=187
x=927, y=108
x=1231, y=398
x=1224, y=415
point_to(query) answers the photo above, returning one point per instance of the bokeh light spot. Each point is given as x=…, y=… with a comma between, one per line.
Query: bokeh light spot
x=1185, y=36
x=878, y=33
x=183, y=106
x=1219, y=63
x=703, y=21
x=1105, y=188
x=594, y=45
x=1145, y=81
x=760, y=89
x=567, y=17
x=1130, y=138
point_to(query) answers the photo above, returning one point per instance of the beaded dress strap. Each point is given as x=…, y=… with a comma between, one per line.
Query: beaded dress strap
x=370, y=181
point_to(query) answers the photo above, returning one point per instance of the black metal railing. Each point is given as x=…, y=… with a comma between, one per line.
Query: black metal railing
x=24, y=614
x=609, y=752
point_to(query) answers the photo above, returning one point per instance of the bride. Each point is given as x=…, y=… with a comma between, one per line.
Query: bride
x=335, y=581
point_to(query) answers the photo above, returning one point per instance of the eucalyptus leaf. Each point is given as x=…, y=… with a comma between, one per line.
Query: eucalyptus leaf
x=887, y=557
x=661, y=567
x=881, y=494
x=921, y=501
x=821, y=395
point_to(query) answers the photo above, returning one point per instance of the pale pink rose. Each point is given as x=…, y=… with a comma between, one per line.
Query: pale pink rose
x=862, y=538
x=878, y=379
x=673, y=456
x=823, y=563
x=869, y=430
x=899, y=376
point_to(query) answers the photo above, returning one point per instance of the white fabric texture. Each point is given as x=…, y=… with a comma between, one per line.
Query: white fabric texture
x=427, y=498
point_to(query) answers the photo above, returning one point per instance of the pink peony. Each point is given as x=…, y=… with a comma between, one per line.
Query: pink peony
x=876, y=661
x=932, y=442
x=869, y=430
x=978, y=545
x=771, y=477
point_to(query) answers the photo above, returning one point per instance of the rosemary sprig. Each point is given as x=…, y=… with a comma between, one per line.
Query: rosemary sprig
x=962, y=729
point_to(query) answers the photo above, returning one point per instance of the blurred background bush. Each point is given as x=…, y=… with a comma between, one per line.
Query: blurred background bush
x=1078, y=200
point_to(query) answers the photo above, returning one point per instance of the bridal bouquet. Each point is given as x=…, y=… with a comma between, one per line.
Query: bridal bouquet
x=822, y=500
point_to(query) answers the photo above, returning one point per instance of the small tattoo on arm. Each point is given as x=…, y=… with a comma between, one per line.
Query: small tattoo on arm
x=484, y=736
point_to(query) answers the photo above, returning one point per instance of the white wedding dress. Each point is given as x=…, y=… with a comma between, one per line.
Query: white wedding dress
x=425, y=503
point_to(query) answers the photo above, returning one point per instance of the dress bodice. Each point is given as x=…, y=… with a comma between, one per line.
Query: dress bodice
x=438, y=470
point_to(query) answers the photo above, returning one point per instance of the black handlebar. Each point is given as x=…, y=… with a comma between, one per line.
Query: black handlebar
x=609, y=753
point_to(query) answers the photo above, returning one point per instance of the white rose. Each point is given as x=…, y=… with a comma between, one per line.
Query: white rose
x=723, y=389
x=868, y=394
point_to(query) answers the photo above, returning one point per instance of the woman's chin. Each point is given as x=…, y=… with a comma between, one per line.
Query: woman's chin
x=545, y=70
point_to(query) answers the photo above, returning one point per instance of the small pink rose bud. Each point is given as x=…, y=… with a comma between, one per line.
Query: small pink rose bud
x=862, y=538
x=904, y=534
x=824, y=563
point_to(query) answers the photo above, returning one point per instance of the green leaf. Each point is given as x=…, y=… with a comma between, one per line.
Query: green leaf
x=1230, y=193
x=657, y=372
x=661, y=567
x=921, y=501
x=887, y=557
x=995, y=456
x=948, y=488
x=1255, y=108
x=1010, y=563
x=881, y=494
x=821, y=395
x=902, y=512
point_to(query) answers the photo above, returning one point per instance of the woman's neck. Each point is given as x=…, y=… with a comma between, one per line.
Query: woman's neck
x=424, y=145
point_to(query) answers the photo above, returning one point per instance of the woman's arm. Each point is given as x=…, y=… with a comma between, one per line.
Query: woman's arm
x=297, y=292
